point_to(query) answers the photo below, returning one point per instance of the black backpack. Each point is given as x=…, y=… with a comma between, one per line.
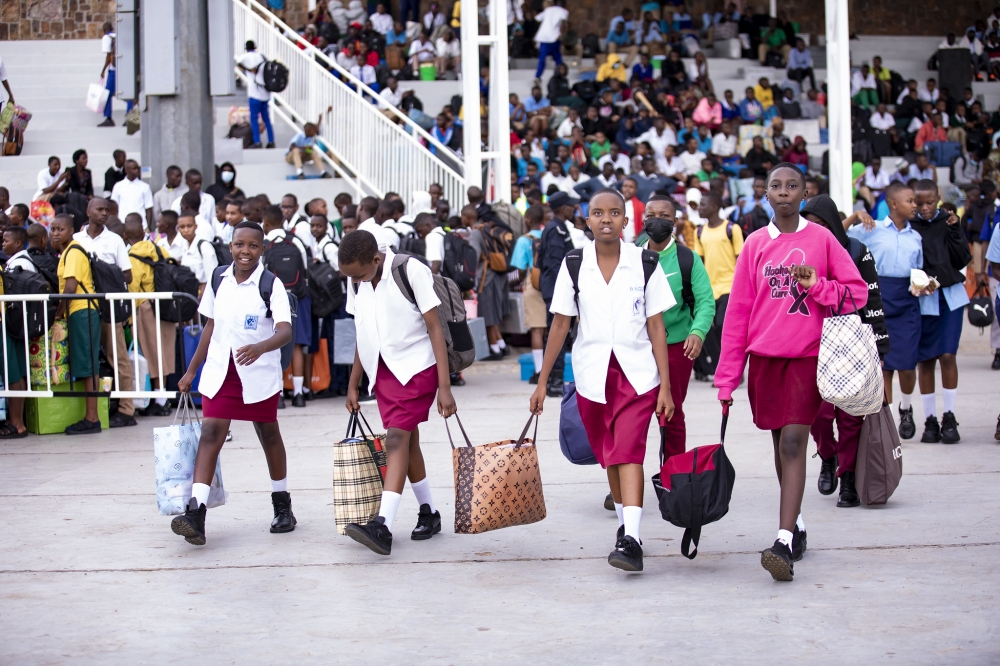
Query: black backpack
x=414, y=245
x=19, y=281
x=685, y=263
x=980, y=310
x=265, y=287
x=222, y=252
x=108, y=279
x=275, y=76
x=48, y=266
x=460, y=260
x=283, y=258
x=326, y=289
x=169, y=275
x=591, y=44
x=574, y=258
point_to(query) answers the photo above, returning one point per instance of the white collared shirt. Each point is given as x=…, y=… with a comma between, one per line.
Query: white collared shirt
x=613, y=320
x=774, y=232
x=302, y=230
x=391, y=327
x=21, y=259
x=882, y=121
x=46, y=179
x=434, y=245
x=384, y=236
x=132, y=196
x=199, y=256
x=328, y=250
x=239, y=314
x=175, y=249
x=621, y=162
x=108, y=246
x=206, y=208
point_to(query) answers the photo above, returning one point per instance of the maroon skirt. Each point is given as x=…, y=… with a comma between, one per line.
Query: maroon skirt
x=783, y=391
x=617, y=430
x=405, y=406
x=228, y=402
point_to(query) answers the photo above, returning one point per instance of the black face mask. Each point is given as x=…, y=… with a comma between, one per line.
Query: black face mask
x=658, y=229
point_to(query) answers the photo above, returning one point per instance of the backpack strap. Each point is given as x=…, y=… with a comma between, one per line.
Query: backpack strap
x=729, y=231
x=217, y=278
x=400, y=277
x=650, y=262
x=574, y=259
x=855, y=248
x=266, y=286
x=685, y=262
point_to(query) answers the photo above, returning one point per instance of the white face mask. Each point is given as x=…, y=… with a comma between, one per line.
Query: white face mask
x=227, y=176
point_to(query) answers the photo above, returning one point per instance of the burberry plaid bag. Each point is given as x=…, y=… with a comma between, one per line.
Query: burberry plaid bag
x=849, y=372
x=496, y=485
x=358, y=473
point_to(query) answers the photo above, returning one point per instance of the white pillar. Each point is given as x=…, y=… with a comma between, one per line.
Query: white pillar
x=773, y=9
x=838, y=110
x=500, y=100
x=470, y=96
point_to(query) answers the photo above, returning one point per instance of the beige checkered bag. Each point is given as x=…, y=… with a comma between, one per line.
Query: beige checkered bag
x=358, y=474
x=849, y=372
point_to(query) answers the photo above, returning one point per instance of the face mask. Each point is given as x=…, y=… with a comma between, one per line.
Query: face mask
x=227, y=176
x=658, y=229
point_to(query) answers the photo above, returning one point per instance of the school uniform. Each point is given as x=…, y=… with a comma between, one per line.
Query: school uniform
x=83, y=322
x=617, y=380
x=393, y=345
x=242, y=392
x=719, y=253
x=145, y=315
x=17, y=368
x=199, y=256
x=303, y=328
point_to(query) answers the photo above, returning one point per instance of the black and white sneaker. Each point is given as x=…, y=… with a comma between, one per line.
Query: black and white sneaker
x=609, y=502
x=932, y=431
x=778, y=561
x=828, y=476
x=798, y=544
x=191, y=523
x=284, y=519
x=949, y=429
x=907, y=428
x=428, y=524
x=627, y=554
x=374, y=534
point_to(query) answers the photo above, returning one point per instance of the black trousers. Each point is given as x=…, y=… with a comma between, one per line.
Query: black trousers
x=801, y=74
x=708, y=360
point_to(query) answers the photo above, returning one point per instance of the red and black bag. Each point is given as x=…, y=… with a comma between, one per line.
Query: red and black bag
x=694, y=488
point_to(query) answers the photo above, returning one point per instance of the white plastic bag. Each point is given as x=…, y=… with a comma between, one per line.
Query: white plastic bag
x=97, y=97
x=141, y=380
x=175, y=449
x=849, y=372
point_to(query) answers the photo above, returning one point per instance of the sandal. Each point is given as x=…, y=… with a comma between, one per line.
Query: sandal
x=8, y=431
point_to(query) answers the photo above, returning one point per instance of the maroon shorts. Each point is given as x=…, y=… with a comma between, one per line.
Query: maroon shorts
x=405, y=406
x=618, y=429
x=783, y=391
x=228, y=402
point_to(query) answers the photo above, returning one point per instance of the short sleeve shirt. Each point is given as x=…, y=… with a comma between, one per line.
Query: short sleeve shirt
x=76, y=264
x=255, y=80
x=523, y=256
x=107, y=245
x=434, y=244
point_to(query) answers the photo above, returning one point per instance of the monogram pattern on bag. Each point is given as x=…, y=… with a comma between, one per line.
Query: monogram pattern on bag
x=497, y=486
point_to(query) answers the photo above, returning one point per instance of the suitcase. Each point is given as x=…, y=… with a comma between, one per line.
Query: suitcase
x=191, y=337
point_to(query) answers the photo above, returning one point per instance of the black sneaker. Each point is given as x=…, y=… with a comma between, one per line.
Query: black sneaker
x=996, y=435
x=828, y=476
x=255, y=146
x=627, y=554
x=620, y=534
x=156, y=409
x=534, y=379
x=119, y=420
x=701, y=377
x=364, y=396
x=848, y=492
x=84, y=427
x=996, y=360
x=428, y=524
x=281, y=402
x=191, y=524
x=108, y=122
x=270, y=144
x=907, y=428
x=932, y=431
x=505, y=350
x=457, y=379
x=374, y=534
x=494, y=356
x=798, y=544
x=554, y=389
x=284, y=519
x=309, y=395
x=299, y=400
x=609, y=502
x=949, y=429
x=778, y=561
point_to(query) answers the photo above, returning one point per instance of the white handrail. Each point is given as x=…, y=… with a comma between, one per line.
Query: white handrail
x=380, y=153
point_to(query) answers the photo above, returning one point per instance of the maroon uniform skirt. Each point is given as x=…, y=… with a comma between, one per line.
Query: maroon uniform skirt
x=405, y=406
x=617, y=430
x=783, y=391
x=228, y=402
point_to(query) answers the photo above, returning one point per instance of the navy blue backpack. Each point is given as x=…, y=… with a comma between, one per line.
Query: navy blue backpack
x=572, y=437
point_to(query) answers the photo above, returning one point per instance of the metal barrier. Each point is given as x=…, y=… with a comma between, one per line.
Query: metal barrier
x=381, y=154
x=155, y=297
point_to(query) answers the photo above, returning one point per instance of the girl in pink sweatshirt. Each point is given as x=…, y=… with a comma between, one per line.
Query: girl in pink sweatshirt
x=790, y=276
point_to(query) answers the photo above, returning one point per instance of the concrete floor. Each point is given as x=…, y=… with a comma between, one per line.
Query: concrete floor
x=91, y=574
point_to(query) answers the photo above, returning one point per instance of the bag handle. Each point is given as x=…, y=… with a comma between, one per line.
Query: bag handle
x=534, y=438
x=725, y=422
x=448, y=430
x=186, y=411
x=840, y=308
x=351, y=425
x=361, y=419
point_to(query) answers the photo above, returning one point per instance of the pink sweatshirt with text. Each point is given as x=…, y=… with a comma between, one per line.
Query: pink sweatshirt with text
x=768, y=313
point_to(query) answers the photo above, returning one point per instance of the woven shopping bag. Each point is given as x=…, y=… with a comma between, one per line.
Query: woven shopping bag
x=849, y=372
x=175, y=449
x=496, y=485
x=358, y=474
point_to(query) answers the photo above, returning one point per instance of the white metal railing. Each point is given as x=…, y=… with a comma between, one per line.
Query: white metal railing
x=383, y=154
x=43, y=299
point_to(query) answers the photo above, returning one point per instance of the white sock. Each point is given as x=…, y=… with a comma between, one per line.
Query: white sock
x=297, y=385
x=785, y=537
x=929, y=406
x=537, y=355
x=162, y=402
x=950, y=398
x=200, y=491
x=298, y=171
x=495, y=349
x=799, y=524
x=501, y=344
x=904, y=401
x=422, y=489
x=306, y=389
x=621, y=517
x=631, y=516
x=390, y=502
x=279, y=486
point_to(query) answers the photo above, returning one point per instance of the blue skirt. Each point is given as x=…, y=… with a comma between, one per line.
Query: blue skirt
x=940, y=335
x=902, y=320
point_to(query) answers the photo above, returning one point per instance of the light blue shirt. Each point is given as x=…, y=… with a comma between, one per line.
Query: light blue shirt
x=955, y=297
x=522, y=257
x=533, y=106
x=799, y=59
x=895, y=251
x=993, y=251
x=751, y=203
x=300, y=140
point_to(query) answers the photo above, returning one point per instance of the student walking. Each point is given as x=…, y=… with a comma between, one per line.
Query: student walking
x=787, y=279
x=241, y=378
x=839, y=454
x=526, y=249
x=622, y=371
x=401, y=348
x=556, y=242
x=252, y=65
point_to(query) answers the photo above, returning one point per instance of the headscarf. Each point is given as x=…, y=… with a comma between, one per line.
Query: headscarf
x=823, y=207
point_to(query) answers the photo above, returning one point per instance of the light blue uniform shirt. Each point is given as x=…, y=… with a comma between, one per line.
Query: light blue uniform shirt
x=955, y=297
x=993, y=251
x=895, y=252
x=522, y=257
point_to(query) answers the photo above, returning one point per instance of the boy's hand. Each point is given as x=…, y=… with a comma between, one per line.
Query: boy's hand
x=353, y=404
x=537, y=401
x=692, y=346
x=806, y=275
x=446, y=402
x=664, y=403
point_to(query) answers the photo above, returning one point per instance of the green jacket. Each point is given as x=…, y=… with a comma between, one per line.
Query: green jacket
x=678, y=320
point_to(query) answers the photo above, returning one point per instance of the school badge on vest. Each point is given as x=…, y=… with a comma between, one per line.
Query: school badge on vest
x=250, y=323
